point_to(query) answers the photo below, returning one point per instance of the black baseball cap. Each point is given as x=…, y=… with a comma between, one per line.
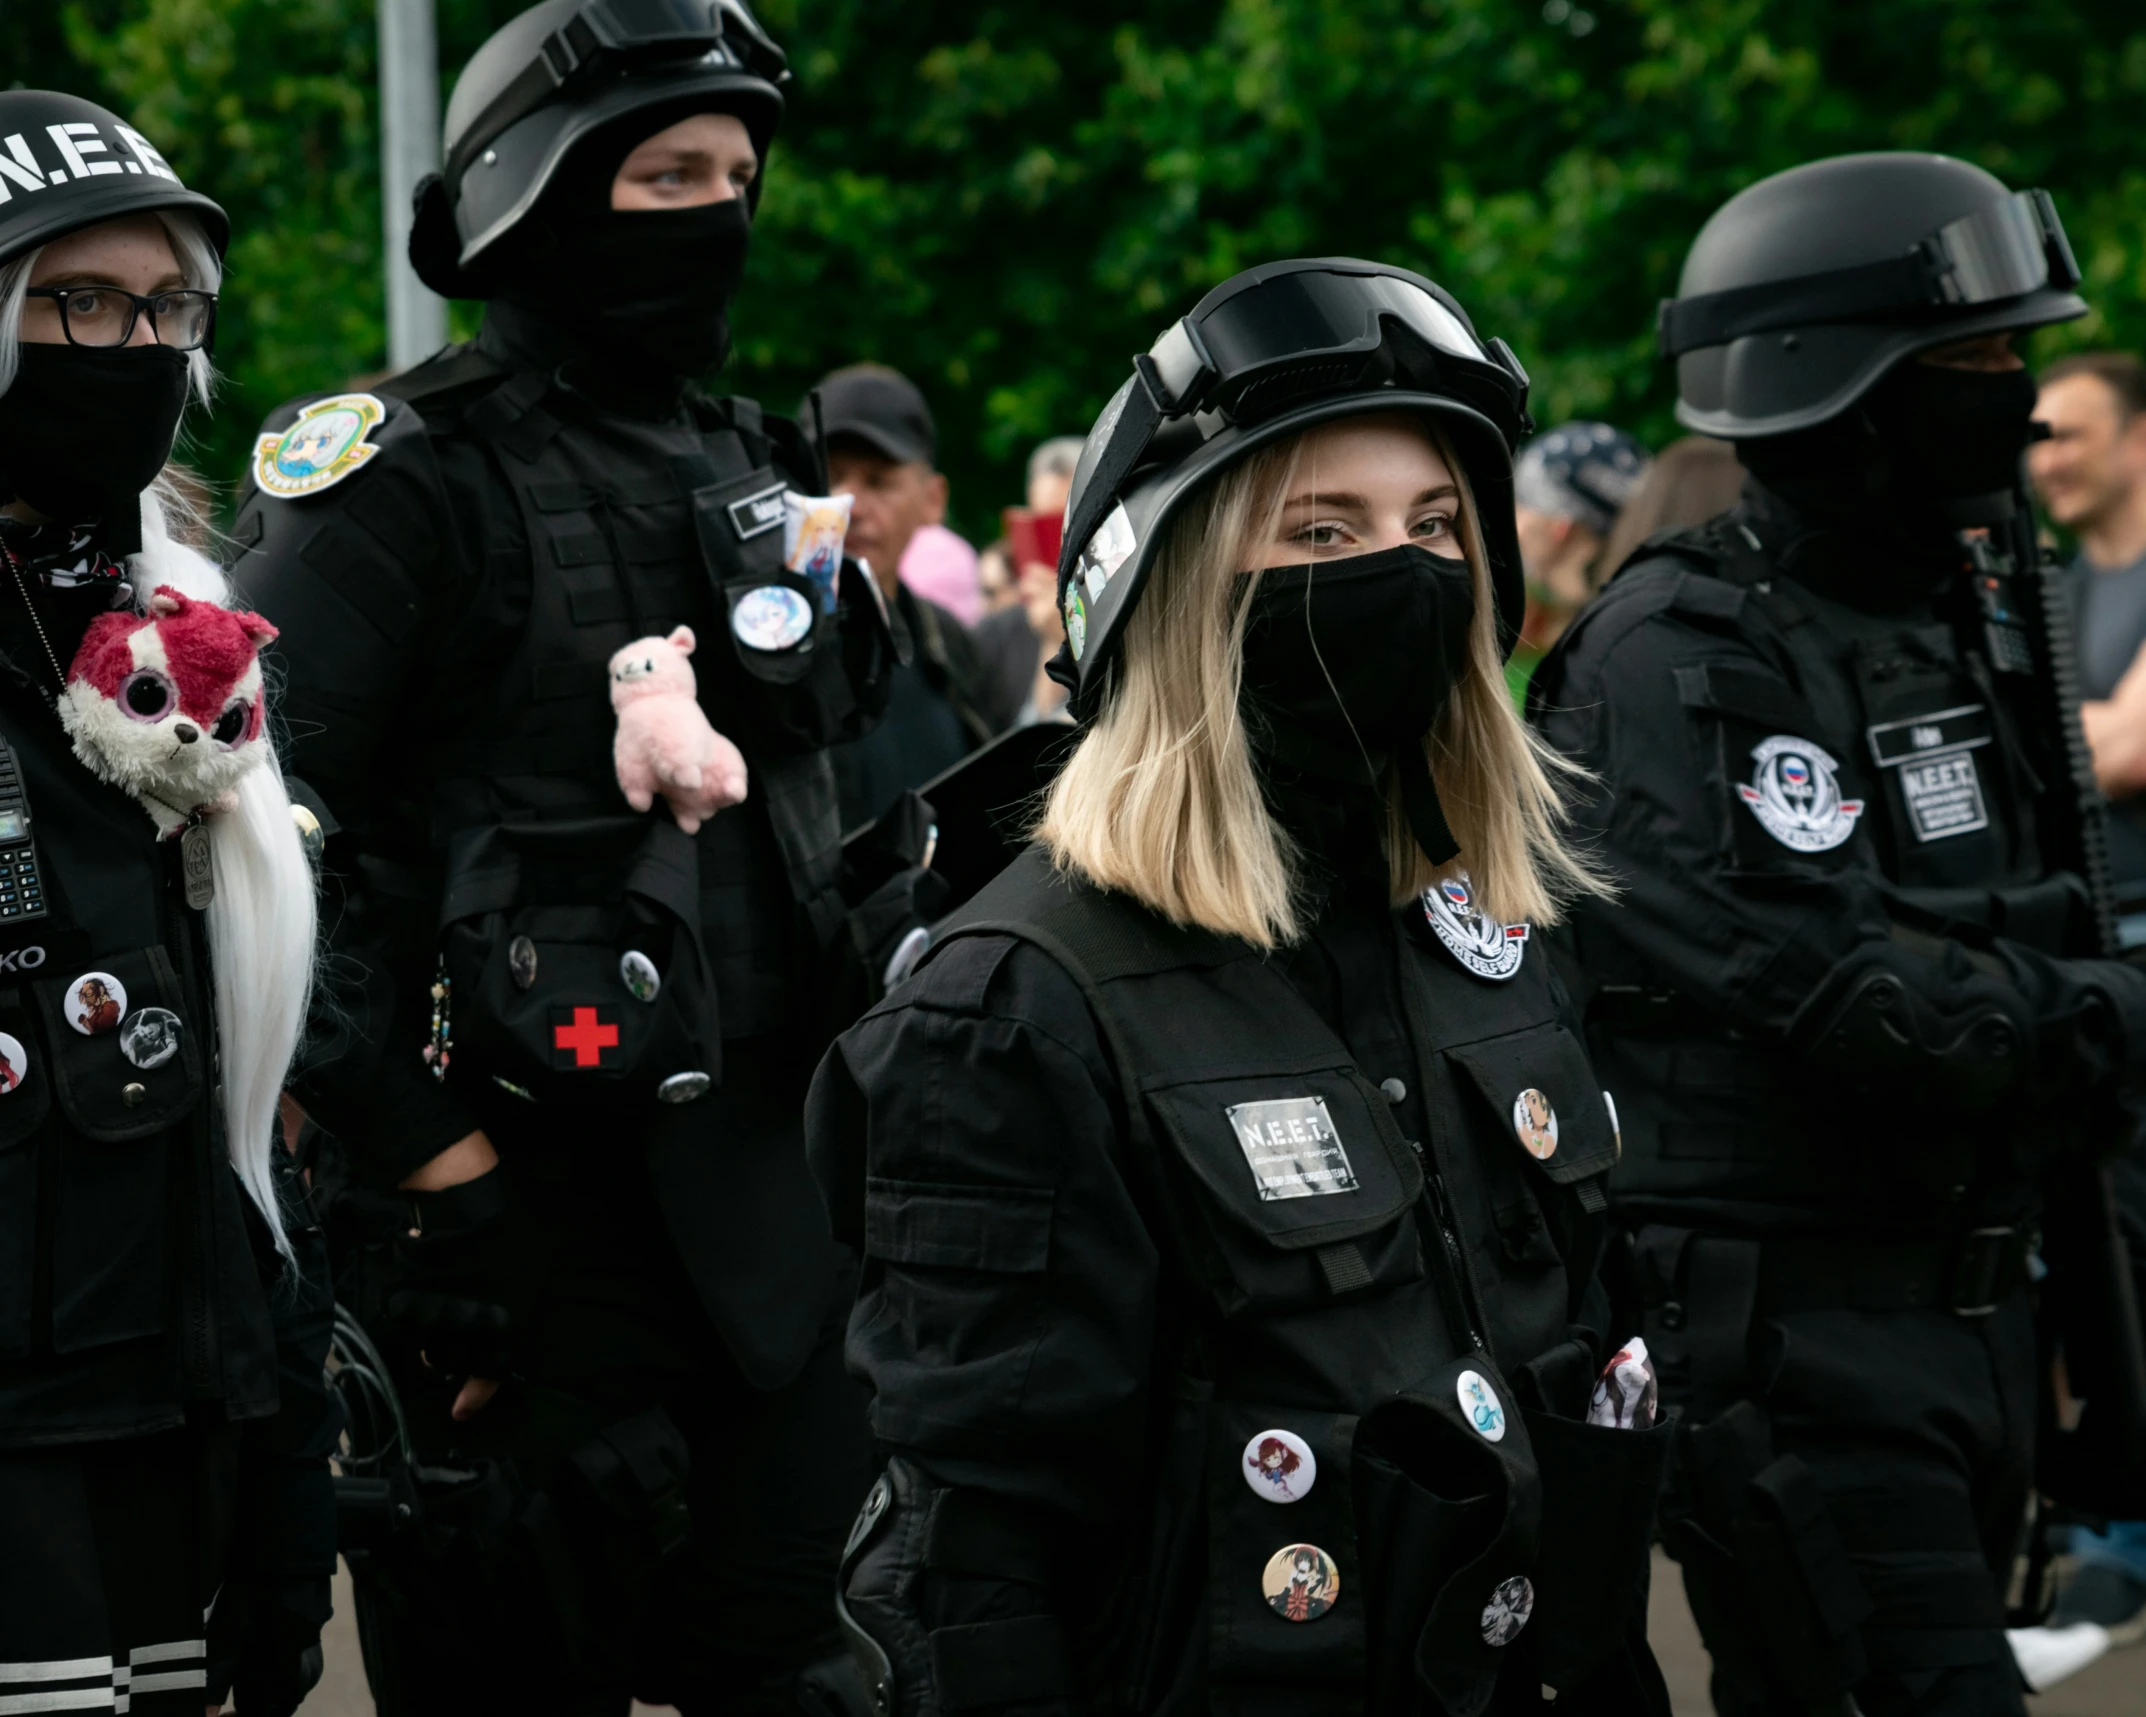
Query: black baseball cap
x=881, y=408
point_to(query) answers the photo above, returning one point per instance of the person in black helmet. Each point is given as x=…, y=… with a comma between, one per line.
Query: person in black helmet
x=573, y=1036
x=1848, y=999
x=166, y=1517
x=1230, y=1174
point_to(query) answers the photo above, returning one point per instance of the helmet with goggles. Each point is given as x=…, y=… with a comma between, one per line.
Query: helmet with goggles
x=549, y=80
x=66, y=164
x=1804, y=290
x=1272, y=351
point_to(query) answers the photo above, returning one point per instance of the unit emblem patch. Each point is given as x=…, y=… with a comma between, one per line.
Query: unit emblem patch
x=1483, y=945
x=1795, y=797
x=328, y=442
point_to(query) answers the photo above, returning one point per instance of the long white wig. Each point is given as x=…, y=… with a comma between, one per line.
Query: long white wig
x=261, y=924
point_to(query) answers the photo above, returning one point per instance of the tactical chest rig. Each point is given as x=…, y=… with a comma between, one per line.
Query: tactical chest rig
x=631, y=529
x=1325, y=1275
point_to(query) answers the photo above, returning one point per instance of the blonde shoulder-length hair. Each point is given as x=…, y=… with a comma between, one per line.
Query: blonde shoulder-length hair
x=1161, y=801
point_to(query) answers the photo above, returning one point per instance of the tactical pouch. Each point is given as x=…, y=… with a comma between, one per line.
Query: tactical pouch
x=1448, y=1521
x=537, y=923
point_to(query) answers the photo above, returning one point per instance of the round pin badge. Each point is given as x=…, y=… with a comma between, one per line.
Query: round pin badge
x=1508, y=1610
x=638, y=973
x=522, y=962
x=684, y=1088
x=1536, y=1123
x=1279, y=1466
x=773, y=617
x=1300, y=1582
x=149, y=1037
x=1480, y=1406
x=14, y=1064
x=96, y=1002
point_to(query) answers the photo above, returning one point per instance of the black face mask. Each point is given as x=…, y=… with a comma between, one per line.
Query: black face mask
x=653, y=283
x=1347, y=664
x=1954, y=433
x=84, y=430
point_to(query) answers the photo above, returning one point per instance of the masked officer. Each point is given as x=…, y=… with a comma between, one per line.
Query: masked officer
x=576, y=1038
x=1230, y=1175
x=1838, y=1001
x=157, y=1270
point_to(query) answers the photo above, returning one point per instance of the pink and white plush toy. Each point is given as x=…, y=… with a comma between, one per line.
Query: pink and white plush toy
x=664, y=742
x=168, y=704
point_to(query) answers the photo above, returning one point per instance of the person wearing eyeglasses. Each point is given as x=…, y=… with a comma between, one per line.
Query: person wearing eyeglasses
x=166, y=1512
x=567, y=1040
x=1241, y=1122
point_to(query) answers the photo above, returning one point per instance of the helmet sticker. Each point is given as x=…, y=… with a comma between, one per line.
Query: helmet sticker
x=1110, y=548
x=1076, y=621
x=1480, y=943
x=330, y=440
x=1795, y=798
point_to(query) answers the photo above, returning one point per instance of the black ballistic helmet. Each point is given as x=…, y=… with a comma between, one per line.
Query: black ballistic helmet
x=1269, y=352
x=66, y=163
x=1803, y=290
x=564, y=70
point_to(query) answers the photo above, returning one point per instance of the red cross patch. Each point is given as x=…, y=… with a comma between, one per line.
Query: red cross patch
x=583, y=1038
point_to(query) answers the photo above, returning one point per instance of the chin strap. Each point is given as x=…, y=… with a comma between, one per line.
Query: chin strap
x=1419, y=798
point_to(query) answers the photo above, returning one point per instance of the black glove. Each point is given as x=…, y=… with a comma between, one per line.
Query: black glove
x=264, y=1645
x=452, y=1284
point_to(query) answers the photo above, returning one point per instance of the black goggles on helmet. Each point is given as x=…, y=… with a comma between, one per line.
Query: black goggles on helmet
x=612, y=38
x=2004, y=251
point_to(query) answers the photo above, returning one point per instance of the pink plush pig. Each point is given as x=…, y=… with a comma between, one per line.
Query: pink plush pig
x=664, y=742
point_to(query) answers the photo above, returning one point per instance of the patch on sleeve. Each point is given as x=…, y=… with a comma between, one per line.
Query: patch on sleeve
x=1795, y=797
x=331, y=439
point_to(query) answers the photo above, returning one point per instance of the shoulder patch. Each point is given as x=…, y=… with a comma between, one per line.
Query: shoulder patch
x=1479, y=942
x=1794, y=796
x=330, y=439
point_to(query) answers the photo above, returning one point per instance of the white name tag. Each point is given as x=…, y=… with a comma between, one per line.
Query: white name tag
x=1292, y=1148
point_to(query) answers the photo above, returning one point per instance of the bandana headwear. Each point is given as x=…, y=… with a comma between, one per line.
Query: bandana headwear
x=1584, y=472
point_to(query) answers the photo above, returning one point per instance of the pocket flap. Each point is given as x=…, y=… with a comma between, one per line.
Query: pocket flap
x=1746, y=694
x=1299, y=1159
x=1001, y=1228
x=1541, y=1089
x=103, y=1094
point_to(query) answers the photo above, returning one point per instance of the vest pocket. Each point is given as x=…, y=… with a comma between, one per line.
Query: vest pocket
x=1301, y=1186
x=1543, y=1096
x=112, y=1213
x=23, y=1108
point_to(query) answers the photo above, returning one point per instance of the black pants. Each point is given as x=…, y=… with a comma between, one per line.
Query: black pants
x=110, y=1558
x=1909, y=1434
x=536, y=1590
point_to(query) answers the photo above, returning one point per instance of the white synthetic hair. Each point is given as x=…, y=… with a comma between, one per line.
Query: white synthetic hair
x=262, y=922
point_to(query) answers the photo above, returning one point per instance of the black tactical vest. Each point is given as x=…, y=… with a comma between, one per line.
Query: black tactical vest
x=128, y=1283
x=633, y=529
x=1923, y=739
x=1390, y=1302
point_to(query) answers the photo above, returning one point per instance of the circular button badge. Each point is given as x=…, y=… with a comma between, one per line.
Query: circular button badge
x=684, y=1088
x=1480, y=1406
x=1508, y=1611
x=638, y=973
x=14, y=1065
x=96, y=1002
x=773, y=617
x=1300, y=1582
x=1279, y=1466
x=149, y=1037
x=1536, y=1123
x=522, y=962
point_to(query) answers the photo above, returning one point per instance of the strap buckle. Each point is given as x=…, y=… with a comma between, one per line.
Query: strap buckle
x=1986, y=1267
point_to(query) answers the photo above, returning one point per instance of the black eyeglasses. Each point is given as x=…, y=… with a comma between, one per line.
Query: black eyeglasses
x=105, y=316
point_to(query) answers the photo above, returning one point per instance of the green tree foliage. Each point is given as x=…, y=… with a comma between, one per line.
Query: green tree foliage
x=1008, y=200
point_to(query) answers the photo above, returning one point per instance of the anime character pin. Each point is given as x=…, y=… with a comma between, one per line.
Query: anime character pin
x=522, y=962
x=1795, y=798
x=1482, y=945
x=327, y=443
x=14, y=1065
x=96, y=1001
x=1511, y=1603
x=1279, y=1466
x=771, y=617
x=1300, y=1582
x=149, y=1037
x=1535, y=1122
x=1480, y=1406
x=638, y=973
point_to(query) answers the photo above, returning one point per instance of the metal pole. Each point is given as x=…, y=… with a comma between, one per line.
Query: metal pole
x=409, y=149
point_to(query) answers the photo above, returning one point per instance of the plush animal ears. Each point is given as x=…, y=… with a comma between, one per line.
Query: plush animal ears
x=168, y=602
x=682, y=640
